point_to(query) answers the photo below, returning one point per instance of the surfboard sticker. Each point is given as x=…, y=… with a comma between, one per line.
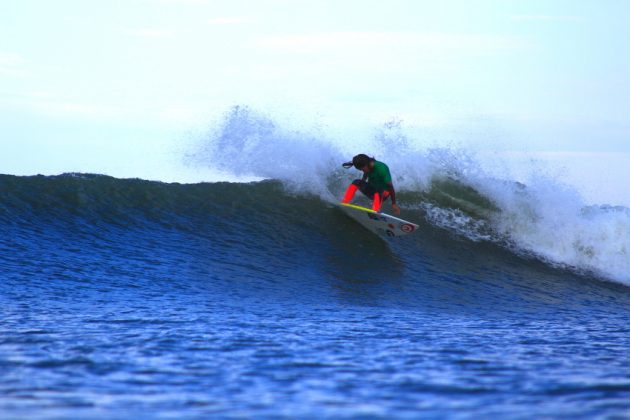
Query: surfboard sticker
x=379, y=223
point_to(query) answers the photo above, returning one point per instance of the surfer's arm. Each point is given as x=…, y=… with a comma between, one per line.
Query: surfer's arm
x=392, y=194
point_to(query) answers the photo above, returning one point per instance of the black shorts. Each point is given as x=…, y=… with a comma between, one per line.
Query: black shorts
x=369, y=190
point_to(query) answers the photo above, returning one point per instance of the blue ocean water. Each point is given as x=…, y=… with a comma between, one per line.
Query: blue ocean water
x=129, y=298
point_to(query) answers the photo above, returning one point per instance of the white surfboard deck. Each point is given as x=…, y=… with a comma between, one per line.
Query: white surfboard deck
x=379, y=223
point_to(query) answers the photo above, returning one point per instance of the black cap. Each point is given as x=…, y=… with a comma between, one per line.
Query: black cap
x=360, y=161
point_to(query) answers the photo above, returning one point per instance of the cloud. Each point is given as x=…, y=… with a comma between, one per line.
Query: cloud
x=11, y=64
x=185, y=2
x=229, y=20
x=57, y=107
x=547, y=18
x=331, y=41
x=151, y=32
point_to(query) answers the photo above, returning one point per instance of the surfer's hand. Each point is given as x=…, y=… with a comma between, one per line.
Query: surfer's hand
x=396, y=209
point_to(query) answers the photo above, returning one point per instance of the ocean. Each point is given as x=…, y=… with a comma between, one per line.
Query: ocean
x=128, y=298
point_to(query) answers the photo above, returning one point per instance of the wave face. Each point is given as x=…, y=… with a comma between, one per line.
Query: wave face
x=264, y=299
x=530, y=221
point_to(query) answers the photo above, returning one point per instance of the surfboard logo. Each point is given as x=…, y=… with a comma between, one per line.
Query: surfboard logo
x=407, y=228
x=377, y=217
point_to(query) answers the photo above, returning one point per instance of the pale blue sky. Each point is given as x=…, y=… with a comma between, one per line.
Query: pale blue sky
x=114, y=86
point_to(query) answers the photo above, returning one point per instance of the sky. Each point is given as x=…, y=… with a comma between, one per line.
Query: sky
x=120, y=87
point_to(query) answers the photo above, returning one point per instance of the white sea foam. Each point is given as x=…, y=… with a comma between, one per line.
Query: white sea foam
x=550, y=220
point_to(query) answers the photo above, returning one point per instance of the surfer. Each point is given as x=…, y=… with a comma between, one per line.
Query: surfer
x=376, y=182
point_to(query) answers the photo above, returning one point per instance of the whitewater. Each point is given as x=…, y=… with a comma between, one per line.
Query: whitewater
x=260, y=298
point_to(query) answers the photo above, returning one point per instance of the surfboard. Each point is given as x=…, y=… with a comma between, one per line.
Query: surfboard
x=379, y=223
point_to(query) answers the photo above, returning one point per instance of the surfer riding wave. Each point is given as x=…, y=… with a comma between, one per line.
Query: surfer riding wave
x=376, y=182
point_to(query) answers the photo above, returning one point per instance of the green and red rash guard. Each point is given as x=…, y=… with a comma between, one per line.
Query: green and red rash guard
x=381, y=180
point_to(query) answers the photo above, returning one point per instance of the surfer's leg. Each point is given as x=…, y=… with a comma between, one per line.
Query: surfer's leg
x=379, y=199
x=352, y=189
x=376, y=204
x=371, y=193
x=366, y=189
